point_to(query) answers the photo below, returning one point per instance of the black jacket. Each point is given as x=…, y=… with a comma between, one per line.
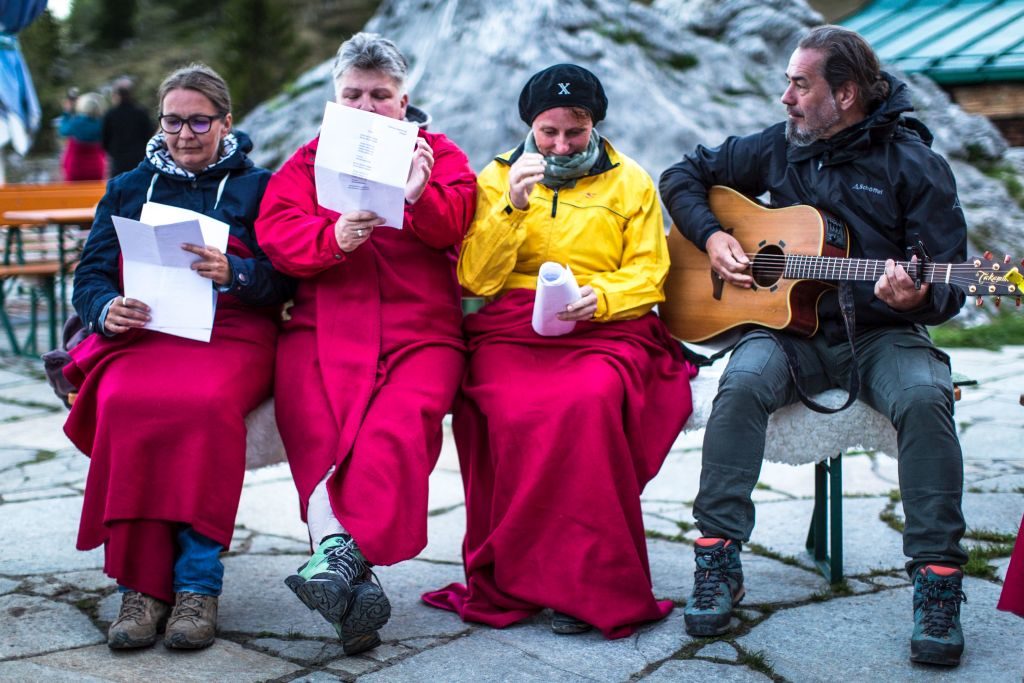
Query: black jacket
x=254, y=280
x=126, y=130
x=879, y=176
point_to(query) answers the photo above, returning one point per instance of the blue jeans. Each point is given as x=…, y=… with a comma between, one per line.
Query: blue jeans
x=903, y=376
x=198, y=568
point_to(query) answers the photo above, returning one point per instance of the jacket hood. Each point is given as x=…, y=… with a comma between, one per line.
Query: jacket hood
x=885, y=121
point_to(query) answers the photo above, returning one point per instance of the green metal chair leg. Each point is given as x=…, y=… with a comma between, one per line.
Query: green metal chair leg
x=828, y=557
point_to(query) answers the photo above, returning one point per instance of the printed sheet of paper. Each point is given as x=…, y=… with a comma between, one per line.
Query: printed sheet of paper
x=362, y=162
x=157, y=271
x=556, y=289
x=215, y=232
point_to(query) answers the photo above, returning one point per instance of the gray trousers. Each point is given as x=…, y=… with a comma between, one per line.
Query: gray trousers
x=903, y=376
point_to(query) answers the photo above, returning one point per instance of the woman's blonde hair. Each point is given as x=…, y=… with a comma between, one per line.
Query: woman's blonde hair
x=90, y=104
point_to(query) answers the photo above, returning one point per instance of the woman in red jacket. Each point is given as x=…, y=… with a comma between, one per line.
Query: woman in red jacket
x=370, y=361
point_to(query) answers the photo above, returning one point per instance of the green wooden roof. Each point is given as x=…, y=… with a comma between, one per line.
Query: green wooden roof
x=952, y=41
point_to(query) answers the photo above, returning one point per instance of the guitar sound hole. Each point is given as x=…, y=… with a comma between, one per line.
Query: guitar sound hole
x=768, y=266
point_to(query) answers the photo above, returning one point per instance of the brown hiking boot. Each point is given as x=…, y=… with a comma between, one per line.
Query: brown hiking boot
x=140, y=619
x=193, y=623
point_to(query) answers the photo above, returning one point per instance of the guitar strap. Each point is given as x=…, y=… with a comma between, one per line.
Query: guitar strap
x=786, y=344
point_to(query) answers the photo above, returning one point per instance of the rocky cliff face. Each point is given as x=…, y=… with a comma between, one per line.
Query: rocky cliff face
x=677, y=73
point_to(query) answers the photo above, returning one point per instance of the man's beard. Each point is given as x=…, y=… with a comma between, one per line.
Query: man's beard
x=816, y=124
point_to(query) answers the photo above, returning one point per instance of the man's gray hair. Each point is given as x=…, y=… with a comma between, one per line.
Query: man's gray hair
x=370, y=52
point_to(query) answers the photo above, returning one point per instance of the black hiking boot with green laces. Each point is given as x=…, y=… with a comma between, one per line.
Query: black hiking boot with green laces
x=717, y=587
x=337, y=583
x=937, y=638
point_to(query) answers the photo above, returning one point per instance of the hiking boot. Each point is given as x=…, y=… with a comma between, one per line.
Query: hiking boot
x=193, y=623
x=137, y=624
x=937, y=637
x=566, y=625
x=717, y=587
x=368, y=611
x=336, y=582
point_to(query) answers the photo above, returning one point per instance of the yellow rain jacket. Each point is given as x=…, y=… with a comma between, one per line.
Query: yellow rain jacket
x=608, y=229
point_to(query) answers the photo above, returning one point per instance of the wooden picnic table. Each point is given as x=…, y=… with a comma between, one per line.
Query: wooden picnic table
x=62, y=218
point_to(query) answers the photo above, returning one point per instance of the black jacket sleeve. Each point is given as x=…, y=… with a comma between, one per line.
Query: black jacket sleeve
x=934, y=217
x=97, y=278
x=254, y=280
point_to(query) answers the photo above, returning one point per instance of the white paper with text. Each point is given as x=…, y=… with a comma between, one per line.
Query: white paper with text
x=362, y=162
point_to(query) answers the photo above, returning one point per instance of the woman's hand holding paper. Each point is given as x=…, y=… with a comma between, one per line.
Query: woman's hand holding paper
x=352, y=229
x=124, y=314
x=582, y=309
x=212, y=263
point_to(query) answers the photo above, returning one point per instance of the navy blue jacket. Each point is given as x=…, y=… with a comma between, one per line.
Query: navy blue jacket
x=879, y=176
x=254, y=280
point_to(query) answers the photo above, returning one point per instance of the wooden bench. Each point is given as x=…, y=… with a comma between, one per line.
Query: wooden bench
x=34, y=256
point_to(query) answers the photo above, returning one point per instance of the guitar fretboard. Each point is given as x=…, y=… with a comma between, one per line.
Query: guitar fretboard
x=832, y=268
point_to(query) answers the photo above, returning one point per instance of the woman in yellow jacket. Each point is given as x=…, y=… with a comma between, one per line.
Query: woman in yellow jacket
x=557, y=435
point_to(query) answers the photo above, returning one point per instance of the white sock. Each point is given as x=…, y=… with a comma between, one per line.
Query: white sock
x=319, y=515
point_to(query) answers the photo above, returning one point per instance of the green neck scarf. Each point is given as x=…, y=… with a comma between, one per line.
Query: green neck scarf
x=563, y=171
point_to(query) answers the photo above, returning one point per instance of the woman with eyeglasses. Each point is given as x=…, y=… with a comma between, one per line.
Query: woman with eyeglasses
x=160, y=416
x=370, y=360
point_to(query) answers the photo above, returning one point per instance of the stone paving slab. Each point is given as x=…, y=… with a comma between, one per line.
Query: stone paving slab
x=867, y=637
x=10, y=412
x=38, y=393
x=697, y=670
x=445, y=490
x=869, y=544
x=444, y=536
x=1000, y=512
x=1004, y=482
x=11, y=457
x=8, y=378
x=223, y=661
x=479, y=659
x=45, y=538
x=718, y=649
x=33, y=625
x=410, y=616
x=18, y=496
x=589, y=655
x=42, y=433
x=309, y=652
x=272, y=508
x=677, y=480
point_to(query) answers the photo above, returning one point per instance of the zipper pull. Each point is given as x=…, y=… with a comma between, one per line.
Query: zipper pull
x=554, y=204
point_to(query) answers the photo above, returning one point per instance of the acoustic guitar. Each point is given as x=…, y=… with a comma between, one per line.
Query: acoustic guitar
x=795, y=253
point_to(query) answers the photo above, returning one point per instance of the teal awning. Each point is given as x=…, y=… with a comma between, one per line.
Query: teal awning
x=952, y=41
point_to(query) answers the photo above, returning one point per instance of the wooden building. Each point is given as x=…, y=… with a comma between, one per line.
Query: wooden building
x=972, y=48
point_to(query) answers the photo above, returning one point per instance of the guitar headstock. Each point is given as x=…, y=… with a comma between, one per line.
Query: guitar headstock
x=994, y=277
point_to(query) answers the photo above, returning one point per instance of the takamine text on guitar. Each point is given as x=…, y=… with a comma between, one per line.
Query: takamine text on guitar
x=795, y=251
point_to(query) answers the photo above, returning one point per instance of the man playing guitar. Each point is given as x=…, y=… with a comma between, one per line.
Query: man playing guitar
x=847, y=150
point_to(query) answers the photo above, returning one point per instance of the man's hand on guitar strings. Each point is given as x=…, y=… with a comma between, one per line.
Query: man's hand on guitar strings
x=728, y=259
x=897, y=289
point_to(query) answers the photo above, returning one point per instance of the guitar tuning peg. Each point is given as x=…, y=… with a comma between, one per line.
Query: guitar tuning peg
x=988, y=255
x=1018, y=302
x=979, y=302
x=1007, y=258
x=997, y=300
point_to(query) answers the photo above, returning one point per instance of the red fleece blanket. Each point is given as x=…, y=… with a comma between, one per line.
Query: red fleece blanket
x=557, y=437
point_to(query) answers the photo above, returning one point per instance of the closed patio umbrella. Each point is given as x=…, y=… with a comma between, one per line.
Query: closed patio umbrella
x=19, y=107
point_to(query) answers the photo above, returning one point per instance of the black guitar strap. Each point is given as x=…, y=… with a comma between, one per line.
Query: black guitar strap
x=786, y=344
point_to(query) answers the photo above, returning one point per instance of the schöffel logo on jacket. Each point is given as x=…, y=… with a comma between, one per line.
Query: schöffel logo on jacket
x=867, y=188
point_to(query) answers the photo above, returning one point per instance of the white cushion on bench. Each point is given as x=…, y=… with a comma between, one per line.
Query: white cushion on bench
x=798, y=435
